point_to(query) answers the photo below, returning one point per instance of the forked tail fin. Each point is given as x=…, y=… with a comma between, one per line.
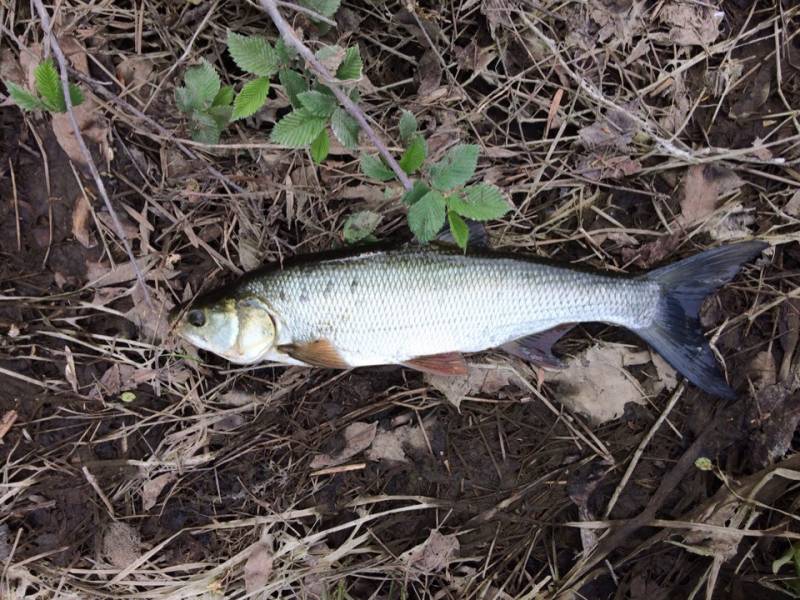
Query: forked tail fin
x=676, y=333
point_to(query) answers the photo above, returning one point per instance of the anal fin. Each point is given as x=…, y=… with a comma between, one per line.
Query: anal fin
x=318, y=353
x=448, y=363
x=538, y=348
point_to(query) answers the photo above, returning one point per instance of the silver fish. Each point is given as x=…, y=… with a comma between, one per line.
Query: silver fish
x=424, y=308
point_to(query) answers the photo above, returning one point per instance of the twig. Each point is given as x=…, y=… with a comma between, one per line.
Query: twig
x=311, y=13
x=87, y=156
x=290, y=37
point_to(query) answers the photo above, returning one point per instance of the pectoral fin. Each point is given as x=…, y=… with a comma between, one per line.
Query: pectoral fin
x=319, y=353
x=538, y=348
x=449, y=363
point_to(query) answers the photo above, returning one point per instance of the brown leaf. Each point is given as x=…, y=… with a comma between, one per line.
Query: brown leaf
x=357, y=438
x=703, y=185
x=121, y=544
x=614, y=130
x=651, y=253
x=691, y=24
x=429, y=74
x=331, y=57
x=762, y=370
x=480, y=378
x=153, y=487
x=69, y=370
x=390, y=445
x=258, y=567
x=81, y=212
x=792, y=207
x=596, y=382
x=434, y=554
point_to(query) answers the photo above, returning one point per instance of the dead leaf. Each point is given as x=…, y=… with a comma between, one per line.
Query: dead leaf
x=238, y=398
x=596, y=382
x=7, y=422
x=357, y=438
x=121, y=544
x=331, y=57
x=474, y=58
x=731, y=224
x=434, y=554
x=691, y=24
x=599, y=167
x=152, y=322
x=487, y=378
x=390, y=445
x=703, y=185
x=153, y=487
x=134, y=72
x=81, y=212
x=792, y=207
x=615, y=129
x=249, y=255
x=651, y=253
x=762, y=370
x=258, y=567
x=618, y=24
x=92, y=123
x=429, y=73
x=667, y=377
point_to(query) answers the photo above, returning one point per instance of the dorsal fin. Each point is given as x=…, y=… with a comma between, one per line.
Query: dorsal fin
x=448, y=363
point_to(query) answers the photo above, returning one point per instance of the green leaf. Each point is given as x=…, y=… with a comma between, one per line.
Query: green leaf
x=320, y=147
x=284, y=52
x=426, y=217
x=351, y=65
x=317, y=103
x=455, y=168
x=414, y=155
x=75, y=95
x=48, y=84
x=331, y=57
x=293, y=84
x=374, y=167
x=417, y=191
x=253, y=54
x=480, y=202
x=326, y=8
x=408, y=126
x=251, y=98
x=345, y=128
x=458, y=228
x=297, y=129
x=202, y=86
x=205, y=128
x=224, y=96
x=359, y=226
x=221, y=115
x=23, y=98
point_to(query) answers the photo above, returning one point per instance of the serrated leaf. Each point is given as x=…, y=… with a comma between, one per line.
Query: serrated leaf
x=23, y=98
x=426, y=216
x=317, y=103
x=182, y=100
x=345, y=128
x=75, y=95
x=205, y=128
x=480, y=202
x=351, y=66
x=458, y=228
x=408, y=126
x=253, y=54
x=326, y=8
x=455, y=168
x=417, y=191
x=374, y=167
x=221, y=115
x=284, y=52
x=251, y=98
x=224, y=96
x=202, y=85
x=48, y=84
x=293, y=84
x=359, y=226
x=414, y=155
x=320, y=147
x=297, y=129
x=331, y=57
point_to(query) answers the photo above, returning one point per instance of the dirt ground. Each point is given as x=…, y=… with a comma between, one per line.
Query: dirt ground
x=626, y=133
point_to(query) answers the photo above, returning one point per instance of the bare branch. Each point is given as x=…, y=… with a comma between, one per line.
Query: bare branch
x=87, y=156
x=290, y=37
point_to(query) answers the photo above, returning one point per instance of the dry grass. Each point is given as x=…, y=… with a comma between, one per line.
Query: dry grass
x=595, y=120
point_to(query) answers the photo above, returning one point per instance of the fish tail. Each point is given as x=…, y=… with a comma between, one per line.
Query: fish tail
x=676, y=333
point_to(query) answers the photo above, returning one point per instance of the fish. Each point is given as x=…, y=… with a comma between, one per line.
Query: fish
x=425, y=307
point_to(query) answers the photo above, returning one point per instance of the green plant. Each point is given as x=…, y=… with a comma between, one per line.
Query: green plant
x=791, y=556
x=49, y=94
x=205, y=101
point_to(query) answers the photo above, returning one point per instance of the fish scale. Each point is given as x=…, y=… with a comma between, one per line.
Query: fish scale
x=378, y=308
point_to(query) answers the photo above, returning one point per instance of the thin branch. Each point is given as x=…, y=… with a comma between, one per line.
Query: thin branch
x=290, y=37
x=87, y=156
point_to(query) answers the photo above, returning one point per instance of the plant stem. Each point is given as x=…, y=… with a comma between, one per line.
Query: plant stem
x=87, y=156
x=290, y=37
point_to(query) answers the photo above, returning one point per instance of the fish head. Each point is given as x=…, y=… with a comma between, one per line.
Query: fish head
x=239, y=329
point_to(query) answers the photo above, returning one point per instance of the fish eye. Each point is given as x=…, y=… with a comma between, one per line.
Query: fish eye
x=196, y=318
